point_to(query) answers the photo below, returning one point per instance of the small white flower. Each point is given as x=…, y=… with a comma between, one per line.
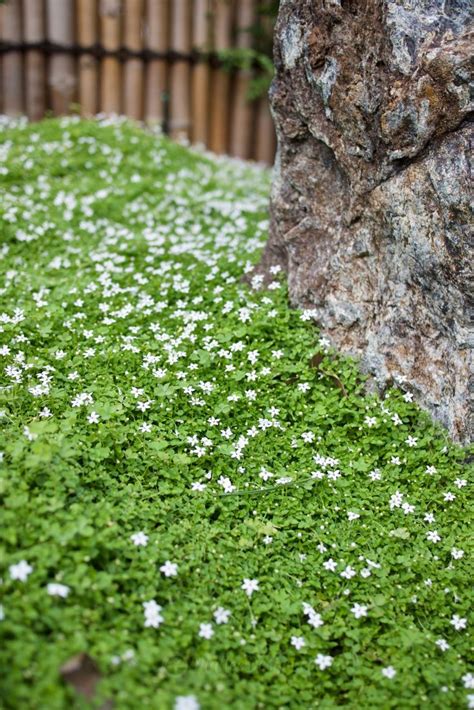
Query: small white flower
x=433, y=536
x=284, y=480
x=298, y=642
x=323, y=661
x=359, y=610
x=315, y=620
x=408, y=397
x=457, y=554
x=268, y=539
x=264, y=474
x=186, y=702
x=389, y=672
x=352, y=516
x=330, y=565
x=20, y=571
x=93, y=418
x=468, y=680
x=396, y=500
x=153, y=616
x=169, y=569
x=348, y=572
x=411, y=441
x=206, y=631
x=442, y=644
x=221, y=615
x=58, y=590
x=250, y=586
x=140, y=539
x=458, y=622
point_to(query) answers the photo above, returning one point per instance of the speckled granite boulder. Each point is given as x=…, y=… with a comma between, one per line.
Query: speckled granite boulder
x=370, y=203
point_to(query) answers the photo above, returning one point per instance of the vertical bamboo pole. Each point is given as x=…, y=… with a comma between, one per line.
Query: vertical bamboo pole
x=110, y=94
x=180, y=70
x=133, y=69
x=60, y=30
x=12, y=61
x=221, y=79
x=88, y=65
x=35, y=70
x=200, y=73
x=265, y=137
x=242, y=109
x=157, y=15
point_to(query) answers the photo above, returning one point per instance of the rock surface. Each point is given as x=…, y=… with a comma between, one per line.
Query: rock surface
x=370, y=203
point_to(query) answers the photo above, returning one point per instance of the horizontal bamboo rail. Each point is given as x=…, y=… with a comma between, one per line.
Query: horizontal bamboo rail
x=158, y=61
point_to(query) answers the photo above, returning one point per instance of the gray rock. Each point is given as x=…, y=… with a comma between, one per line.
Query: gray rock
x=370, y=202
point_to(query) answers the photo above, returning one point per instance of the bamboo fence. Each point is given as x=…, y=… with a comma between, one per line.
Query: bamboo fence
x=156, y=61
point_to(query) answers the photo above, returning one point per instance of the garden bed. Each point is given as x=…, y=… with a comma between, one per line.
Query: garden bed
x=198, y=493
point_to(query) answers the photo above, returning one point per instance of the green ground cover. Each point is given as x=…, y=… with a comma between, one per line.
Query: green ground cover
x=217, y=517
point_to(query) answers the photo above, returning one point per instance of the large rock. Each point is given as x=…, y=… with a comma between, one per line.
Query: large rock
x=370, y=209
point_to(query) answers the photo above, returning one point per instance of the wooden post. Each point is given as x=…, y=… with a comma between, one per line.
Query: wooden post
x=265, y=139
x=61, y=79
x=35, y=70
x=200, y=73
x=133, y=69
x=220, y=83
x=156, y=38
x=242, y=108
x=88, y=65
x=12, y=61
x=180, y=70
x=110, y=94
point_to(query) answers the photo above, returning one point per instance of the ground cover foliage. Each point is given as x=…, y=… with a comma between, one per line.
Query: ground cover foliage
x=197, y=491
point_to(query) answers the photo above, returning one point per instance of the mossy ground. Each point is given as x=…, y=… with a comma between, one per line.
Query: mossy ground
x=146, y=389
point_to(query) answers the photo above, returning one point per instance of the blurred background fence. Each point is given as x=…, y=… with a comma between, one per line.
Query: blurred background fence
x=198, y=68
